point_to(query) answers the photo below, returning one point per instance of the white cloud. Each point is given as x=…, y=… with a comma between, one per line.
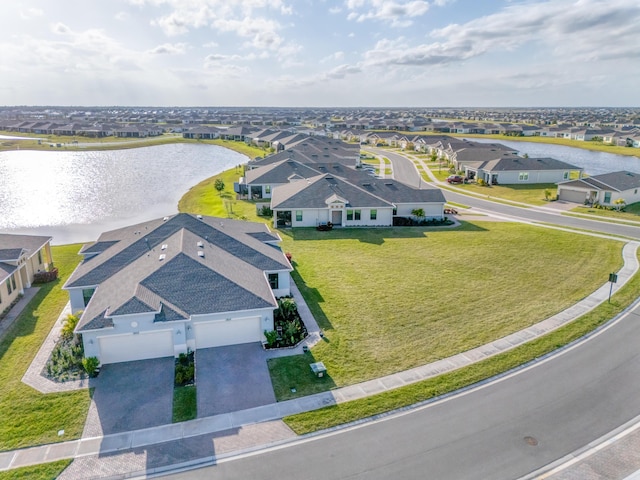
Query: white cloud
x=590, y=32
x=334, y=56
x=31, y=13
x=121, y=16
x=169, y=49
x=397, y=13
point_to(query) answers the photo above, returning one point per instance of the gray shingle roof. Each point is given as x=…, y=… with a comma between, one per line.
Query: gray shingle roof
x=31, y=243
x=149, y=238
x=617, y=181
x=314, y=192
x=133, y=278
x=187, y=284
x=530, y=164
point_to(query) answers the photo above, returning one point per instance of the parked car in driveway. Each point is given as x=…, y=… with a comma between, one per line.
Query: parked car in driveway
x=455, y=179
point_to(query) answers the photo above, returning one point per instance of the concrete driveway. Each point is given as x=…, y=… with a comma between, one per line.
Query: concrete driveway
x=131, y=395
x=232, y=378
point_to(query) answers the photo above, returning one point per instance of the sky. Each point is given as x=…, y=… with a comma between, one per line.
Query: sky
x=321, y=53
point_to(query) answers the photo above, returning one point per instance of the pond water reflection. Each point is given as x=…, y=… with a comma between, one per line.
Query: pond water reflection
x=74, y=196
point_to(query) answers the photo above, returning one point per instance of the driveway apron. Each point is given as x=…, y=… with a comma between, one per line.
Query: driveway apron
x=130, y=396
x=232, y=378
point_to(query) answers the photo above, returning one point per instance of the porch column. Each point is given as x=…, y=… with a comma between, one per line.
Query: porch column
x=48, y=257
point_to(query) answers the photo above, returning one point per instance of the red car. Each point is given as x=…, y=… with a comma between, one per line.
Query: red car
x=455, y=179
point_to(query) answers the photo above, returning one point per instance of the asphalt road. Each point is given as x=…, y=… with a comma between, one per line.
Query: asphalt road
x=489, y=432
x=501, y=430
x=405, y=171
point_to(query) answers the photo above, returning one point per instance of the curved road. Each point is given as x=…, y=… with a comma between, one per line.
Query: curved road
x=505, y=429
x=489, y=432
x=405, y=171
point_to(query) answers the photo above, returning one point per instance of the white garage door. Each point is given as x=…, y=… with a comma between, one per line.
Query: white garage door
x=228, y=332
x=576, y=196
x=130, y=347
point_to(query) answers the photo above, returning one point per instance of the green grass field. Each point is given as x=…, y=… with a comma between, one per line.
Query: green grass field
x=403, y=297
x=29, y=417
x=45, y=471
x=350, y=411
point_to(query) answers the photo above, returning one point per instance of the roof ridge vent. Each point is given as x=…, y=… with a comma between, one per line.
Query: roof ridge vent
x=201, y=253
x=200, y=244
x=162, y=257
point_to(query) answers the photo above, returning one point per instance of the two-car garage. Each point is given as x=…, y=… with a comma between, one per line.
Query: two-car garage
x=129, y=347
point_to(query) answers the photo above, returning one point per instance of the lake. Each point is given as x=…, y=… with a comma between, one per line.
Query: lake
x=593, y=163
x=75, y=196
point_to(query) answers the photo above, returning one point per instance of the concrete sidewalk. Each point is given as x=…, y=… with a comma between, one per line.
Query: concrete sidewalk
x=105, y=453
x=7, y=322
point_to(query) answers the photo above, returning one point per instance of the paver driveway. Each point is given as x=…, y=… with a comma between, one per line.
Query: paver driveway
x=232, y=378
x=131, y=395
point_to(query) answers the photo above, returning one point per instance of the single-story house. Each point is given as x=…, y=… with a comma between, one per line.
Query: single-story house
x=21, y=258
x=179, y=283
x=511, y=169
x=260, y=182
x=604, y=189
x=367, y=202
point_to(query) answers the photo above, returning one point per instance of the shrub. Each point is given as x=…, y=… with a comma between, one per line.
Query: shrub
x=185, y=369
x=288, y=255
x=481, y=182
x=265, y=211
x=91, y=365
x=272, y=337
x=69, y=326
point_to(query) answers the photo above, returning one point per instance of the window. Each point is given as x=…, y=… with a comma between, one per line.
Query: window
x=349, y=215
x=607, y=197
x=395, y=211
x=565, y=176
x=87, y=293
x=523, y=176
x=357, y=215
x=12, y=283
x=267, y=189
x=39, y=257
x=298, y=215
x=273, y=281
x=373, y=214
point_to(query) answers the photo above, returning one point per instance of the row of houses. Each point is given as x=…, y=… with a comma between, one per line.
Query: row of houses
x=83, y=129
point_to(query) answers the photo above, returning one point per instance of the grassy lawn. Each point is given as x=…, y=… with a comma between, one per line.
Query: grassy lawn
x=399, y=298
x=204, y=199
x=184, y=403
x=449, y=382
x=27, y=416
x=632, y=212
x=531, y=194
x=44, y=471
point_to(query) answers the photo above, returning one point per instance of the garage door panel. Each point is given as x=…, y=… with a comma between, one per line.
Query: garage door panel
x=228, y=332
x=576, y=196
x=131, y=347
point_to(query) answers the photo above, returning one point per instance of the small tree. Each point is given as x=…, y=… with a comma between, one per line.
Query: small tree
x=620, y=203
x=219, y=185
x=69, y=326
x=547, y=194
x=418, y=213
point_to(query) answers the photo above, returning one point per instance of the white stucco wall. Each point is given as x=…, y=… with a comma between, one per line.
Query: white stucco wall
x=544, y=176
x=431, y=210
x=384, y=217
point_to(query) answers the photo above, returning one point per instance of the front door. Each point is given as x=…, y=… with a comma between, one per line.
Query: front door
x=336, y=217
